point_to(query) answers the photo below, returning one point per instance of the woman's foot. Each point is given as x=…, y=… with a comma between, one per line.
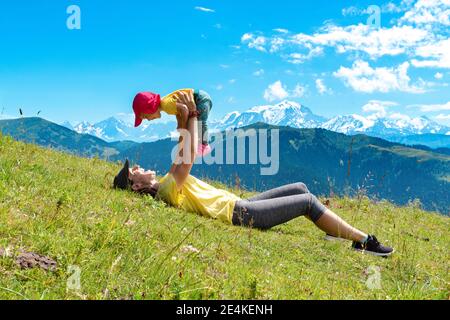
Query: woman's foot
x=204, y=150
x=374, y=247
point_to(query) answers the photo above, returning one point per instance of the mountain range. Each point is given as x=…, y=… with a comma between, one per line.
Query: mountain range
x=394, y=128
x=113, y=129
x=330, y=163
x=295, y=115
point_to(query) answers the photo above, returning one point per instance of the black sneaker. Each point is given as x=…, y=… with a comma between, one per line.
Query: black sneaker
x=373, y=247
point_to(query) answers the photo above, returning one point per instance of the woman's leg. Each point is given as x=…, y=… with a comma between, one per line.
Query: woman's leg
x=285, y=191
x=265, y=214
x=268, y=213
x=335, y=226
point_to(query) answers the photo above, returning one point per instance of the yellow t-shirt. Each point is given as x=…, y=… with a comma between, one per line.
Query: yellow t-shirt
x=169, y=102
x=198, y=197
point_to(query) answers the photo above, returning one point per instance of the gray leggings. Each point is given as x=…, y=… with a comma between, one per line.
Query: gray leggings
x=278, y=206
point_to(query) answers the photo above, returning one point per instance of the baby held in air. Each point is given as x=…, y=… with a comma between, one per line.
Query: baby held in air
x=148, y=106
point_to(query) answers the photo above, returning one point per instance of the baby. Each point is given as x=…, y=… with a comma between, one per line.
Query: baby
x=148, y=106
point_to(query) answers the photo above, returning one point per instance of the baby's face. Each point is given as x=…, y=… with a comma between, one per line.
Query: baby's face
x=150, y=117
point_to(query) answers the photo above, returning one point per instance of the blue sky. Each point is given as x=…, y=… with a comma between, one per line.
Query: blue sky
x=320, y=53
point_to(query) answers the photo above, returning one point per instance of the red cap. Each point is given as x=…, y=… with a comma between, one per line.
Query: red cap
x=145, y=102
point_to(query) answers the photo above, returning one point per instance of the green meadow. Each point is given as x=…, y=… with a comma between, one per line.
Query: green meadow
x=127, y=246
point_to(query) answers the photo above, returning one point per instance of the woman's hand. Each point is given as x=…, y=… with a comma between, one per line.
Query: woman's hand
x=187, y=100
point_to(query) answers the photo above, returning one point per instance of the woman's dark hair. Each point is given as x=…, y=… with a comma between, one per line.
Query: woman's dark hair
x=148, y=191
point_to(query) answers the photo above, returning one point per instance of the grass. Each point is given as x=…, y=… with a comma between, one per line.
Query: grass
x=132, y=247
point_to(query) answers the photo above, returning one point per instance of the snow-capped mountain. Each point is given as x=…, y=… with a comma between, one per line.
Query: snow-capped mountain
x=292, y=114
x=390, y=126
x=88, y=128
x=286, y=113
x=348, y=124
x=113, y=129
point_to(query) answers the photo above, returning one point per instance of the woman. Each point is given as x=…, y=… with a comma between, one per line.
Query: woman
x=179, y=189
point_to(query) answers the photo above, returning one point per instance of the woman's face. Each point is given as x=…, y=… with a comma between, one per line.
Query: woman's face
x=142, y=178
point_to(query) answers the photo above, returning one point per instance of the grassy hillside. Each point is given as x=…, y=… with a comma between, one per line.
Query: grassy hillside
x=132, y=247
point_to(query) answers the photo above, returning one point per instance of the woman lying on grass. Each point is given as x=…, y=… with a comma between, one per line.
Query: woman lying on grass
x=269, y=209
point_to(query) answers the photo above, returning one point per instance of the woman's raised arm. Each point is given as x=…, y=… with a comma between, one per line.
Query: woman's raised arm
x=188, y=144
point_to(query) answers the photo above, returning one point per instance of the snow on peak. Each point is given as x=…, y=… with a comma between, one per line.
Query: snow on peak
x=348, y=124
x=285, y=113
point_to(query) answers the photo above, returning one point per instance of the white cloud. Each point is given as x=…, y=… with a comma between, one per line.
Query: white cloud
x=254, y=41
x=224, y=66
x=276, y=44
x=362, y=38
x=299, y=58
x=443, y=116
x=434, y=107
x=281, y=30
x=392, y=8
x=389, y=7
x=321, y=87
x=259, y=73
x=438, y=76
x=429, y=12
x=437, y=55
x=363, y=78
x=421, y=35
x=378, y=109
x=218, y=26
x=444, y=119
x=231, y=100
x=299, y=91
x=205, y=9
x=375, y=43
x=247, y=37
x=232, y=81
x=276, y=91
x=219, y=87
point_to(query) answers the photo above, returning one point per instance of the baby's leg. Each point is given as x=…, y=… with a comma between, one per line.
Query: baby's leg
x=204, y=106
